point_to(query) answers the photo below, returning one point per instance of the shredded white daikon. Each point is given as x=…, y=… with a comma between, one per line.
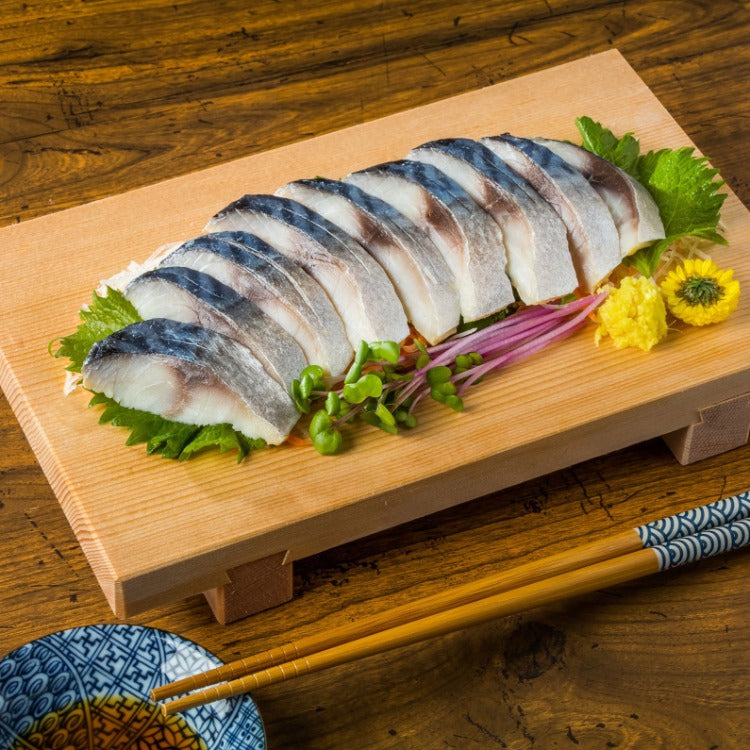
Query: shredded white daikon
x=685, y=248
x=121, y=279
x=72, y=381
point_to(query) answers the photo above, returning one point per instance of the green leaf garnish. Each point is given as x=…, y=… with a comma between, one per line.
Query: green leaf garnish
x=105, y=315
x=313, y=373
x=438, y=375
x=310, y=379
x=368, y=386
x=224, y=438
x=333, y=404
x=326, y=438
x=385, y=350
x=385, y=420
x=683, y=186
x=360, y=357
x=173, y=439
x=685, y=191
x=623, y=152
x=405, y=418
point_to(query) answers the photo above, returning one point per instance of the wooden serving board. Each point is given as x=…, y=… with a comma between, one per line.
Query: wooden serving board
x=155, y=530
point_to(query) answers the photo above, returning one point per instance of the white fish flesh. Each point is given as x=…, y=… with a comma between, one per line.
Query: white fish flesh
x=469, y=239
x=634, y=211
x=190, y=374
x=419, y=273
x=358, y=286
x=539, y=262
x=191, y=296
x=594, y=242
x=279, y=287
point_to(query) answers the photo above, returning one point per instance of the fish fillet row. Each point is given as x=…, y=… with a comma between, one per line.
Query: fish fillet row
x=455, y=231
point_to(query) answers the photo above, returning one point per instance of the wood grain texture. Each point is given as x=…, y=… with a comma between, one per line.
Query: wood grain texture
x=102, y=97
x=200, y=519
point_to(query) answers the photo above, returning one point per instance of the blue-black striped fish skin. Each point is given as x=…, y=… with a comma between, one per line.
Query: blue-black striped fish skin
x=190, y=374
x=634, y=211
x=468, y=238
x=357, y=285
x=594, y=242
x=278, y=286
x=192, y=296
x=417, y=269
x=539, y=262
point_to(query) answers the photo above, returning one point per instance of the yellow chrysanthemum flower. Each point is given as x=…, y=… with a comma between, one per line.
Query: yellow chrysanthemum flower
x=633, y=314
x=699, y=293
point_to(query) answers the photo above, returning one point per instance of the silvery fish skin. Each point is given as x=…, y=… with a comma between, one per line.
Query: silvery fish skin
x=594, y=242
x=539, y=262
x=468, y=238
x=634, y=211
x=191, y=296
x=190, y=374
x=279, y=287
x=359, y=288
x=417, y=269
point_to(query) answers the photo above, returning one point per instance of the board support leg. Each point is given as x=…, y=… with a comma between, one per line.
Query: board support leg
x=719, y=428
x=252, y=587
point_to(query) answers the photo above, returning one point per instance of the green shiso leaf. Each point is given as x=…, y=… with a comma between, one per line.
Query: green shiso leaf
x=623, y=152
x=173, y=439
x=105, y=315
x=223, y=437
x=683, y=186
x=685, y=190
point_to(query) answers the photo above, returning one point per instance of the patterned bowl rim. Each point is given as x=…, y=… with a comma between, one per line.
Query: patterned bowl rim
x=159, y=632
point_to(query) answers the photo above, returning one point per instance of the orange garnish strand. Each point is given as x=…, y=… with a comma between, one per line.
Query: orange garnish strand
x=409, y=345
x=297, y=440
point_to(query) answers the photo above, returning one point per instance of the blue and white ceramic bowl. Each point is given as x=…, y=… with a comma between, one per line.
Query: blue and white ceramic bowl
x=88, y=688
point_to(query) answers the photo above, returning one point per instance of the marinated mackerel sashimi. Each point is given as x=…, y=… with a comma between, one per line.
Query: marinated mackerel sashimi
x=358, y=286
x=539, y=262
x=191, y=296
x=468, y=238
x=190, y=374
x=419, y=273
x=279, y=287
x=455, y=232
x=594, y=242
x=634, y=211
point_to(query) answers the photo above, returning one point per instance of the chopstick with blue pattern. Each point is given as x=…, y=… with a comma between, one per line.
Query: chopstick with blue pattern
x=676, y=540
x=709, y=530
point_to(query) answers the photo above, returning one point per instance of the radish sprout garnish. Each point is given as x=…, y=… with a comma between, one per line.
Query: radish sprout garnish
x=384, y=385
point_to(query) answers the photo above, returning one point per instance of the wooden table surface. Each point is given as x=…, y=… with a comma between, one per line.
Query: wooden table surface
x=104, y=96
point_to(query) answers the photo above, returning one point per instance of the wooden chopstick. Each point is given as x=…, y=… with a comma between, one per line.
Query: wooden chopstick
x=526, y=573
x=576, y=582
x=598, y=564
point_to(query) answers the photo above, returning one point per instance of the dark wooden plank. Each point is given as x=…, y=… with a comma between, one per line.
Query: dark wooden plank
x=100, y=97
x=129, y=109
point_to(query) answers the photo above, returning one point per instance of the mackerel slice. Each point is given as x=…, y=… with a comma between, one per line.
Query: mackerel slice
x=539, y=262
x=419, y=273
x=594, y=242
x=468, y=238
x=280, y=288
x=190, y=374
x=359, y=288
x=191, y=296
x=634, y=211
